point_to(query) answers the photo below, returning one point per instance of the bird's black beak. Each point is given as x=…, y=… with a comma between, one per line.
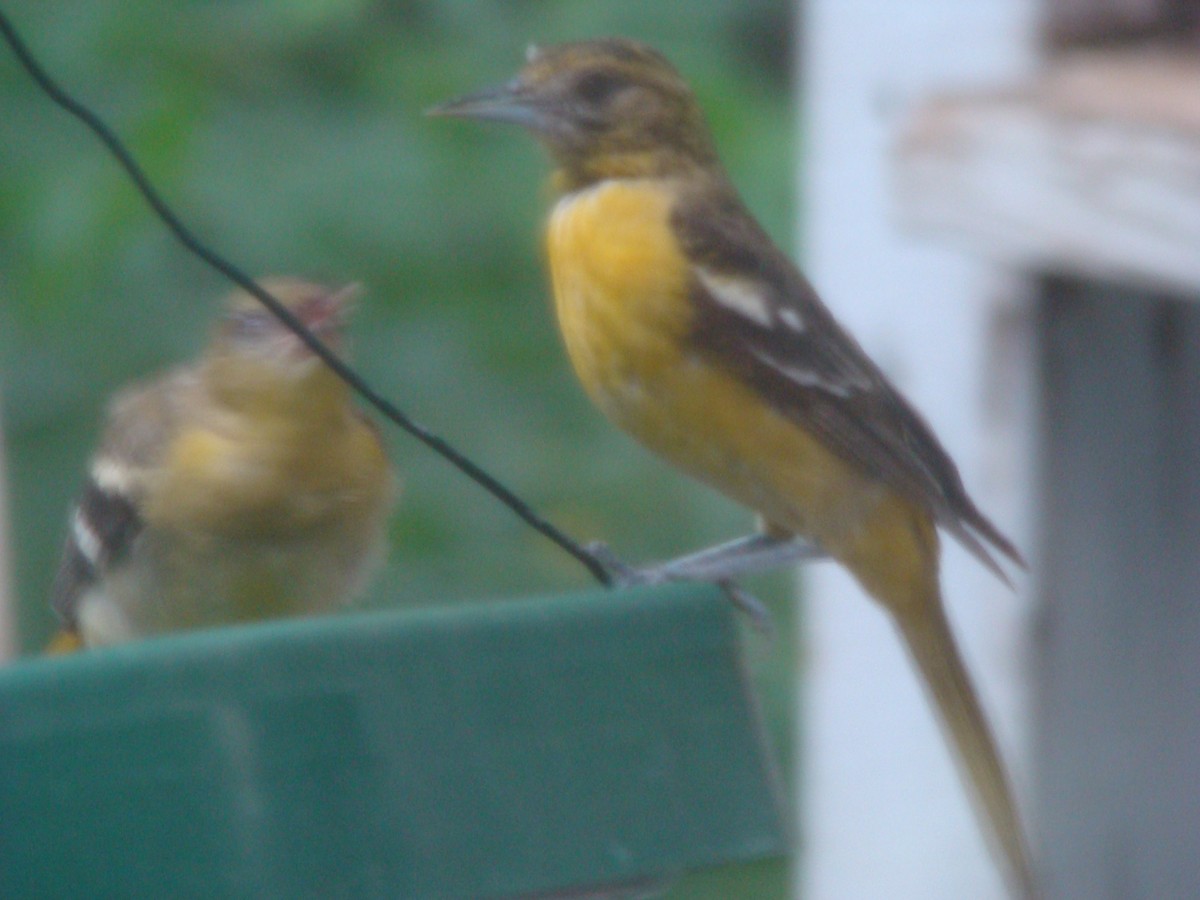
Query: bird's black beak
x=510, y=102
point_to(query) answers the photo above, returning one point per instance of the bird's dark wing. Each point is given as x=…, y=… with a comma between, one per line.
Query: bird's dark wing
x=759, y=318
x=105, y=520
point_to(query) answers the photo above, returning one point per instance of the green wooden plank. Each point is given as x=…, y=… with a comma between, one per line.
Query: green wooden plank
x=483, y=751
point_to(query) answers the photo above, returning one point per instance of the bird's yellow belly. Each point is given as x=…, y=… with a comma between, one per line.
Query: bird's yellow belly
x=621, y=294
x=175, y=582
x=245, y=527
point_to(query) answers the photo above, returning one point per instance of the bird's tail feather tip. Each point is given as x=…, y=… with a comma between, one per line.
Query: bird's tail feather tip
x=932, y=646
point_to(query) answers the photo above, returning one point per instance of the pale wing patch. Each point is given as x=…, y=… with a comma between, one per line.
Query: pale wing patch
x=86, y=539
x=738, y=295
x=791, y=318
x=806, y=378
x=112, y=476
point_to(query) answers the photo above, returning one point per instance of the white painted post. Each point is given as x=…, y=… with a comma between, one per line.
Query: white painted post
x=885, y=814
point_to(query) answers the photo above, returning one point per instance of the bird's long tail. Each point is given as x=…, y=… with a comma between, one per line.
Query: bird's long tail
x=932, y=646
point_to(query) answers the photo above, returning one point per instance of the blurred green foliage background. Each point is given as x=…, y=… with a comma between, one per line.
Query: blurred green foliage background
x=289, y=134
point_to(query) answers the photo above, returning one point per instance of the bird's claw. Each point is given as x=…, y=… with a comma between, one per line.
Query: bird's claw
x=760, y=617
x=624, y=575
x=621, y=573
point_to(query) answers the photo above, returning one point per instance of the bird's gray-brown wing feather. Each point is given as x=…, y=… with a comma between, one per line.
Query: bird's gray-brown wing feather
x=105, y=520
x=757, y=316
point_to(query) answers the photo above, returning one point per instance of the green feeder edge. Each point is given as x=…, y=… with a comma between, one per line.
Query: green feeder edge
x=535, y=747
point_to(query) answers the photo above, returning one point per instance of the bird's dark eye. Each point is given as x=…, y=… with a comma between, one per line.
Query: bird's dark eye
x=597, y=87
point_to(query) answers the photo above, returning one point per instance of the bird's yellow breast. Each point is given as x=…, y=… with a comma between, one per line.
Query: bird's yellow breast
x=621, y=288
x=256, y=477
x=247, y=518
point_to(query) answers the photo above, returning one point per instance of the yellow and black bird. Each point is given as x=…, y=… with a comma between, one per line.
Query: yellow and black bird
x=246, y=486
x=692, y=331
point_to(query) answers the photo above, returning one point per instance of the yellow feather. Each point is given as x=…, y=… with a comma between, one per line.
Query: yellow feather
x=620, y=286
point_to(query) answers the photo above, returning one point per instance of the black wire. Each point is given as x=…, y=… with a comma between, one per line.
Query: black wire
x=489, y=483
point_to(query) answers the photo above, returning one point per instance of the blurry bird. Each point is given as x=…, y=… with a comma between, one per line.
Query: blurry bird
x=692, y=331
x=245, y=486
